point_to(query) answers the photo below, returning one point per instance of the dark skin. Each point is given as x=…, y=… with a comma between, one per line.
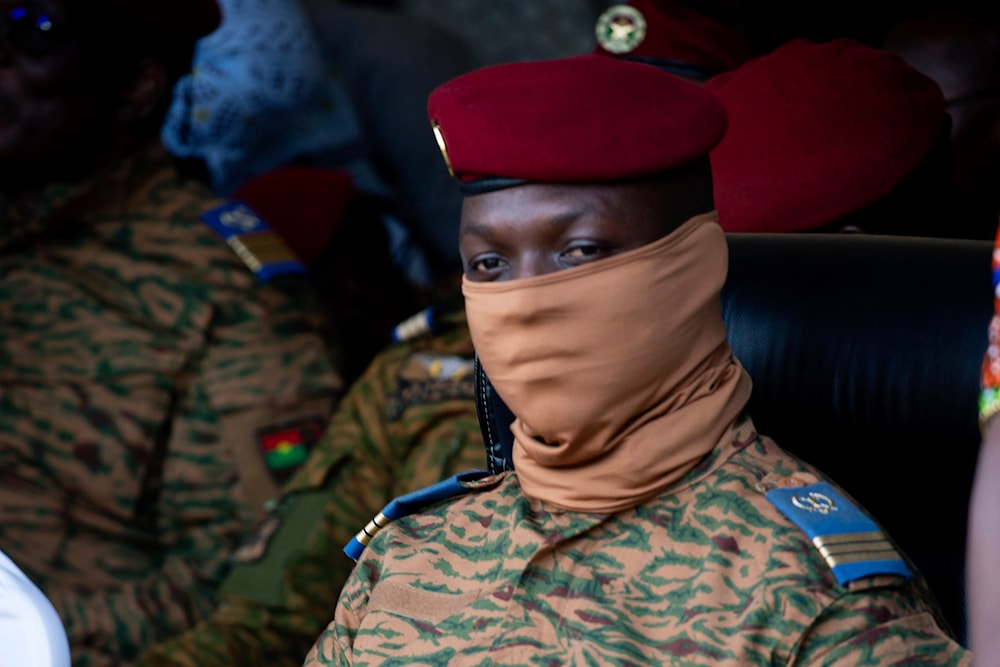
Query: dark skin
x=64, y=113
x=539, y=228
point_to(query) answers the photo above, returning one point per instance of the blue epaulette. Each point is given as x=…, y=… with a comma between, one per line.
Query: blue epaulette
x=267, y=255
x=410, y=503
x=851, y=542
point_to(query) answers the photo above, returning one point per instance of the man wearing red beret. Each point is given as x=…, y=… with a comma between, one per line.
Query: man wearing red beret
x=644, y=520
x=162, y=364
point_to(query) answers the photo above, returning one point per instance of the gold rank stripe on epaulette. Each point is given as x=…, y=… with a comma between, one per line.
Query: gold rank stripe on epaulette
x=371, y=530
x=260, y=248
x=855, y=548
x=415, y=501
x=849, y=540
x=424, y=323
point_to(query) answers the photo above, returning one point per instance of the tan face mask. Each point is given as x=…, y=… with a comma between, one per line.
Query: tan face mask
x=618, y=371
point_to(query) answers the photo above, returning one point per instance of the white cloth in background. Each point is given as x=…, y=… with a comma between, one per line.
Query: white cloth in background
x=31, y=633
x=259, y=96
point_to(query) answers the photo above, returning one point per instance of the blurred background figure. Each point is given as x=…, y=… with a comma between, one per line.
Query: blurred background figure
x=30, y=630
x=833, y=136
x=334, y=87
x=337, y=233
x=165, y=365
x=960, y=50
x=389, y=61
x=984, y=523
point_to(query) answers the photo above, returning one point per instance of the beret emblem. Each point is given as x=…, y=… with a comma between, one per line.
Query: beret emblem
x=621, y=29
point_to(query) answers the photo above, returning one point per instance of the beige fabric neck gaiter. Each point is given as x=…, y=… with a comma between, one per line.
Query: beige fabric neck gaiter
x=618, y=371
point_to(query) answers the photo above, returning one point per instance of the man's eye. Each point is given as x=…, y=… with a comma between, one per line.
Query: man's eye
x=583, y=252
x=486, y=264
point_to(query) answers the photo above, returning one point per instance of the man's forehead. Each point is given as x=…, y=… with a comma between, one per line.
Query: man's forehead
x=549, y=204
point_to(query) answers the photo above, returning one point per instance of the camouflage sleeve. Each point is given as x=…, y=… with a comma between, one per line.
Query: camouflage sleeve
x=864, y=629
x=335, y=644
x=285, y=584
x=265, y=366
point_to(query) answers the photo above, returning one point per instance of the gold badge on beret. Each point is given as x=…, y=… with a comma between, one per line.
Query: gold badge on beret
x=444, y=148
x=621, y=29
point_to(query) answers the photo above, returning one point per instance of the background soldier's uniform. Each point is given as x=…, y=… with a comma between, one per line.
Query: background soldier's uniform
x=408, y=422
x=708, y=573
x=142, y=365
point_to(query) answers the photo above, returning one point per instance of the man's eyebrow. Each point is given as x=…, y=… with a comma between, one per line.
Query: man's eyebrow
x=559, y=220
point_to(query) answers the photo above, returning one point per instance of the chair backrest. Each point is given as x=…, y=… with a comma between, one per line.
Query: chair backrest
x=864, y=353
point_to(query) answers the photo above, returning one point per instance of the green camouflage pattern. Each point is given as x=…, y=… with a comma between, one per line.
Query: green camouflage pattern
x=409, y=421
x=139, y=357
x=708, y=573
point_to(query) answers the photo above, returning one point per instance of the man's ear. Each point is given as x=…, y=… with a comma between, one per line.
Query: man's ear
x=143, y=91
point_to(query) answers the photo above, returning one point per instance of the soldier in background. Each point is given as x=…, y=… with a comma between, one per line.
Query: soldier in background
x=408, y=422
x=164, y=367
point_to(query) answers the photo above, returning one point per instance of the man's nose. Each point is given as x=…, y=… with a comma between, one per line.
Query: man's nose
x=532, y=264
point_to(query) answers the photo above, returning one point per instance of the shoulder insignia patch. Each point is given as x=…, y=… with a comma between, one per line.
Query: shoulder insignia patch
x=410, y=503
x=849, y=540
x=426, y=379
x=267, y=255
x=440, y=367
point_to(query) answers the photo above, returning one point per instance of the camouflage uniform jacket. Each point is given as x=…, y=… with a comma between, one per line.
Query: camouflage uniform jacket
x=409, y=421
x=141, y=363
x=708, y=573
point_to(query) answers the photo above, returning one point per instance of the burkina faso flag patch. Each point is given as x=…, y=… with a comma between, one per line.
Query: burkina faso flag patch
x=287, y=447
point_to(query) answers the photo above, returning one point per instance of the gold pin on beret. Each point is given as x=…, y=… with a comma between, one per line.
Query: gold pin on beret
x=441, y=144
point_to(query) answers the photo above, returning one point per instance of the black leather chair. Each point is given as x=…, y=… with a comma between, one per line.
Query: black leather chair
x=865, y=355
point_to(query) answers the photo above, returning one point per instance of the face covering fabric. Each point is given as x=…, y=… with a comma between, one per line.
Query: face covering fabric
x=618, y=371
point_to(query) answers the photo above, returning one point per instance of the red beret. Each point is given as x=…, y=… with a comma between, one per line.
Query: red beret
x=667, y=31
x=580, y=119
x=187, y=18
x=818, y=131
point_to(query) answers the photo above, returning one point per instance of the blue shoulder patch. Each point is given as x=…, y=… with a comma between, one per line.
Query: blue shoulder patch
x=249, y=236
x=852, y=544
x=412, y=502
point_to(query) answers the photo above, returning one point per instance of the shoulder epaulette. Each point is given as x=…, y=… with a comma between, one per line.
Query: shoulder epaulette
x=849, y=540
x=412, y=502
x=425, y=323
x=253, y=240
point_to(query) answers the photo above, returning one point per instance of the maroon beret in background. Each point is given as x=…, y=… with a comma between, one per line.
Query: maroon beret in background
x=581, y=119
x=668, y=30
x=304, y=205
x=183, y=18
x=818, y=131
